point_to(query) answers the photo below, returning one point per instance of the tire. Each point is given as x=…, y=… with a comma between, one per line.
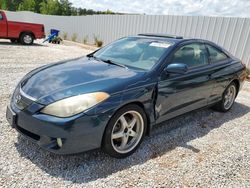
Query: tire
x=131, y=131
x=223, y=105
x=27, y=39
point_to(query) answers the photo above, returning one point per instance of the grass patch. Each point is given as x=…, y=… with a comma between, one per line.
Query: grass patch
x=248, y=74
x=74, y=37
x=65, y=35
x=85, y=39
x=98, y=42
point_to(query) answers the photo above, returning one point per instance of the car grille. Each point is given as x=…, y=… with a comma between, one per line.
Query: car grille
x=19, y=100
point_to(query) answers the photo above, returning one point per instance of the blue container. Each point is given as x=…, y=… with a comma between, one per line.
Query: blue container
x=54, y=32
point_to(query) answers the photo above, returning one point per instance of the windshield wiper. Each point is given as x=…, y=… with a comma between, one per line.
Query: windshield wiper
x=106, y=61
x=113, y=63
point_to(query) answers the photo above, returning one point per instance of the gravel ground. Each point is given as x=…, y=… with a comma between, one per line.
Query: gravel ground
x=200, y=149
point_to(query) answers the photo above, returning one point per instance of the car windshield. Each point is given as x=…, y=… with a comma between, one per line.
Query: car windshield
x=134, y=52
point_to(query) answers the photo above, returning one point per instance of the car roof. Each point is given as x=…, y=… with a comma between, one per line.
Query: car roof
x=165, y=37
x=179, y=39
x=160, y=35
x=176, y=39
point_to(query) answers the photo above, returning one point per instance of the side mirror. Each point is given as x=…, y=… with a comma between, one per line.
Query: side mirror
x=177, y=68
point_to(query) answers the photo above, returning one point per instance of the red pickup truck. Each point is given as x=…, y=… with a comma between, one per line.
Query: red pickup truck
x=25, y=33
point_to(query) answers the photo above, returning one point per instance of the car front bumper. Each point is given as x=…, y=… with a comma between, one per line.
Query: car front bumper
x=78, y=133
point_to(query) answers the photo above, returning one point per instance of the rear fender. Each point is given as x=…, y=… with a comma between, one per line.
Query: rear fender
x=27, y=32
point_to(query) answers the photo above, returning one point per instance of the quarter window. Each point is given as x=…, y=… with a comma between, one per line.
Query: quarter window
x=192, y=55
x=216, y=55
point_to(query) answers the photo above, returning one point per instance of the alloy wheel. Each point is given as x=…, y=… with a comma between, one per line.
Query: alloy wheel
x=229, y=97
x=127, y=132
x=27, y=39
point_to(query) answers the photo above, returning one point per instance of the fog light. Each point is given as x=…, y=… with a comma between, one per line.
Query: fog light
x=59, y=142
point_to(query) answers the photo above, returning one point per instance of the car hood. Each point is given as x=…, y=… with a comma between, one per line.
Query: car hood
x=61, y=80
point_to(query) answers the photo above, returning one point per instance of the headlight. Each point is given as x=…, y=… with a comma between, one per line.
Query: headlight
x=74, y=105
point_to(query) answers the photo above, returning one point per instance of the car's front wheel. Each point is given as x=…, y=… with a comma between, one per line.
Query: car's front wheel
x=228, y=99
x=125, y=131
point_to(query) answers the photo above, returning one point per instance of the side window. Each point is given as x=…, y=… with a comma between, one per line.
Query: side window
x=192, y=55
x=1, y=17
x=216, y=55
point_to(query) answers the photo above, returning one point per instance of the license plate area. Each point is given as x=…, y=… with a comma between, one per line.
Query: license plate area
x=11, y=117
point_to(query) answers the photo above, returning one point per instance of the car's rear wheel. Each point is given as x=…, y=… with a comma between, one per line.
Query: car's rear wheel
x=228, y=99
x=125, y=131
x=27, y=38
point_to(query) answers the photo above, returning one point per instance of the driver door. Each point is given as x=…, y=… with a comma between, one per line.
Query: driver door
x=3, y=26
x=181, y=93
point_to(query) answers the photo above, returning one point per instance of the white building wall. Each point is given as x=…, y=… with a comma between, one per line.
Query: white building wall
x=231, y=33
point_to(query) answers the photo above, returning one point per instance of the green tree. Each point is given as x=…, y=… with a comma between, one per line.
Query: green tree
x=28, y=5
x=65, y=7
x=82, y=11
x=3, y=4
x=37, y=7
x=50, y=7
x=53, y=7
x=11, y=5
x=109, y=12
x=74, y=11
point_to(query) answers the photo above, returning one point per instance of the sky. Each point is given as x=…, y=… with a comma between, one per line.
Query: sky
x=235, y=8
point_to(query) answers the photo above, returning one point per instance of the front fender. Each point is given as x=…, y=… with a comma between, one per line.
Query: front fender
x=142, y=95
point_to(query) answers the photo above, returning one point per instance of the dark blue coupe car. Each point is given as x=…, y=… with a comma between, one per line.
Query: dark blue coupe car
x=112, y=98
